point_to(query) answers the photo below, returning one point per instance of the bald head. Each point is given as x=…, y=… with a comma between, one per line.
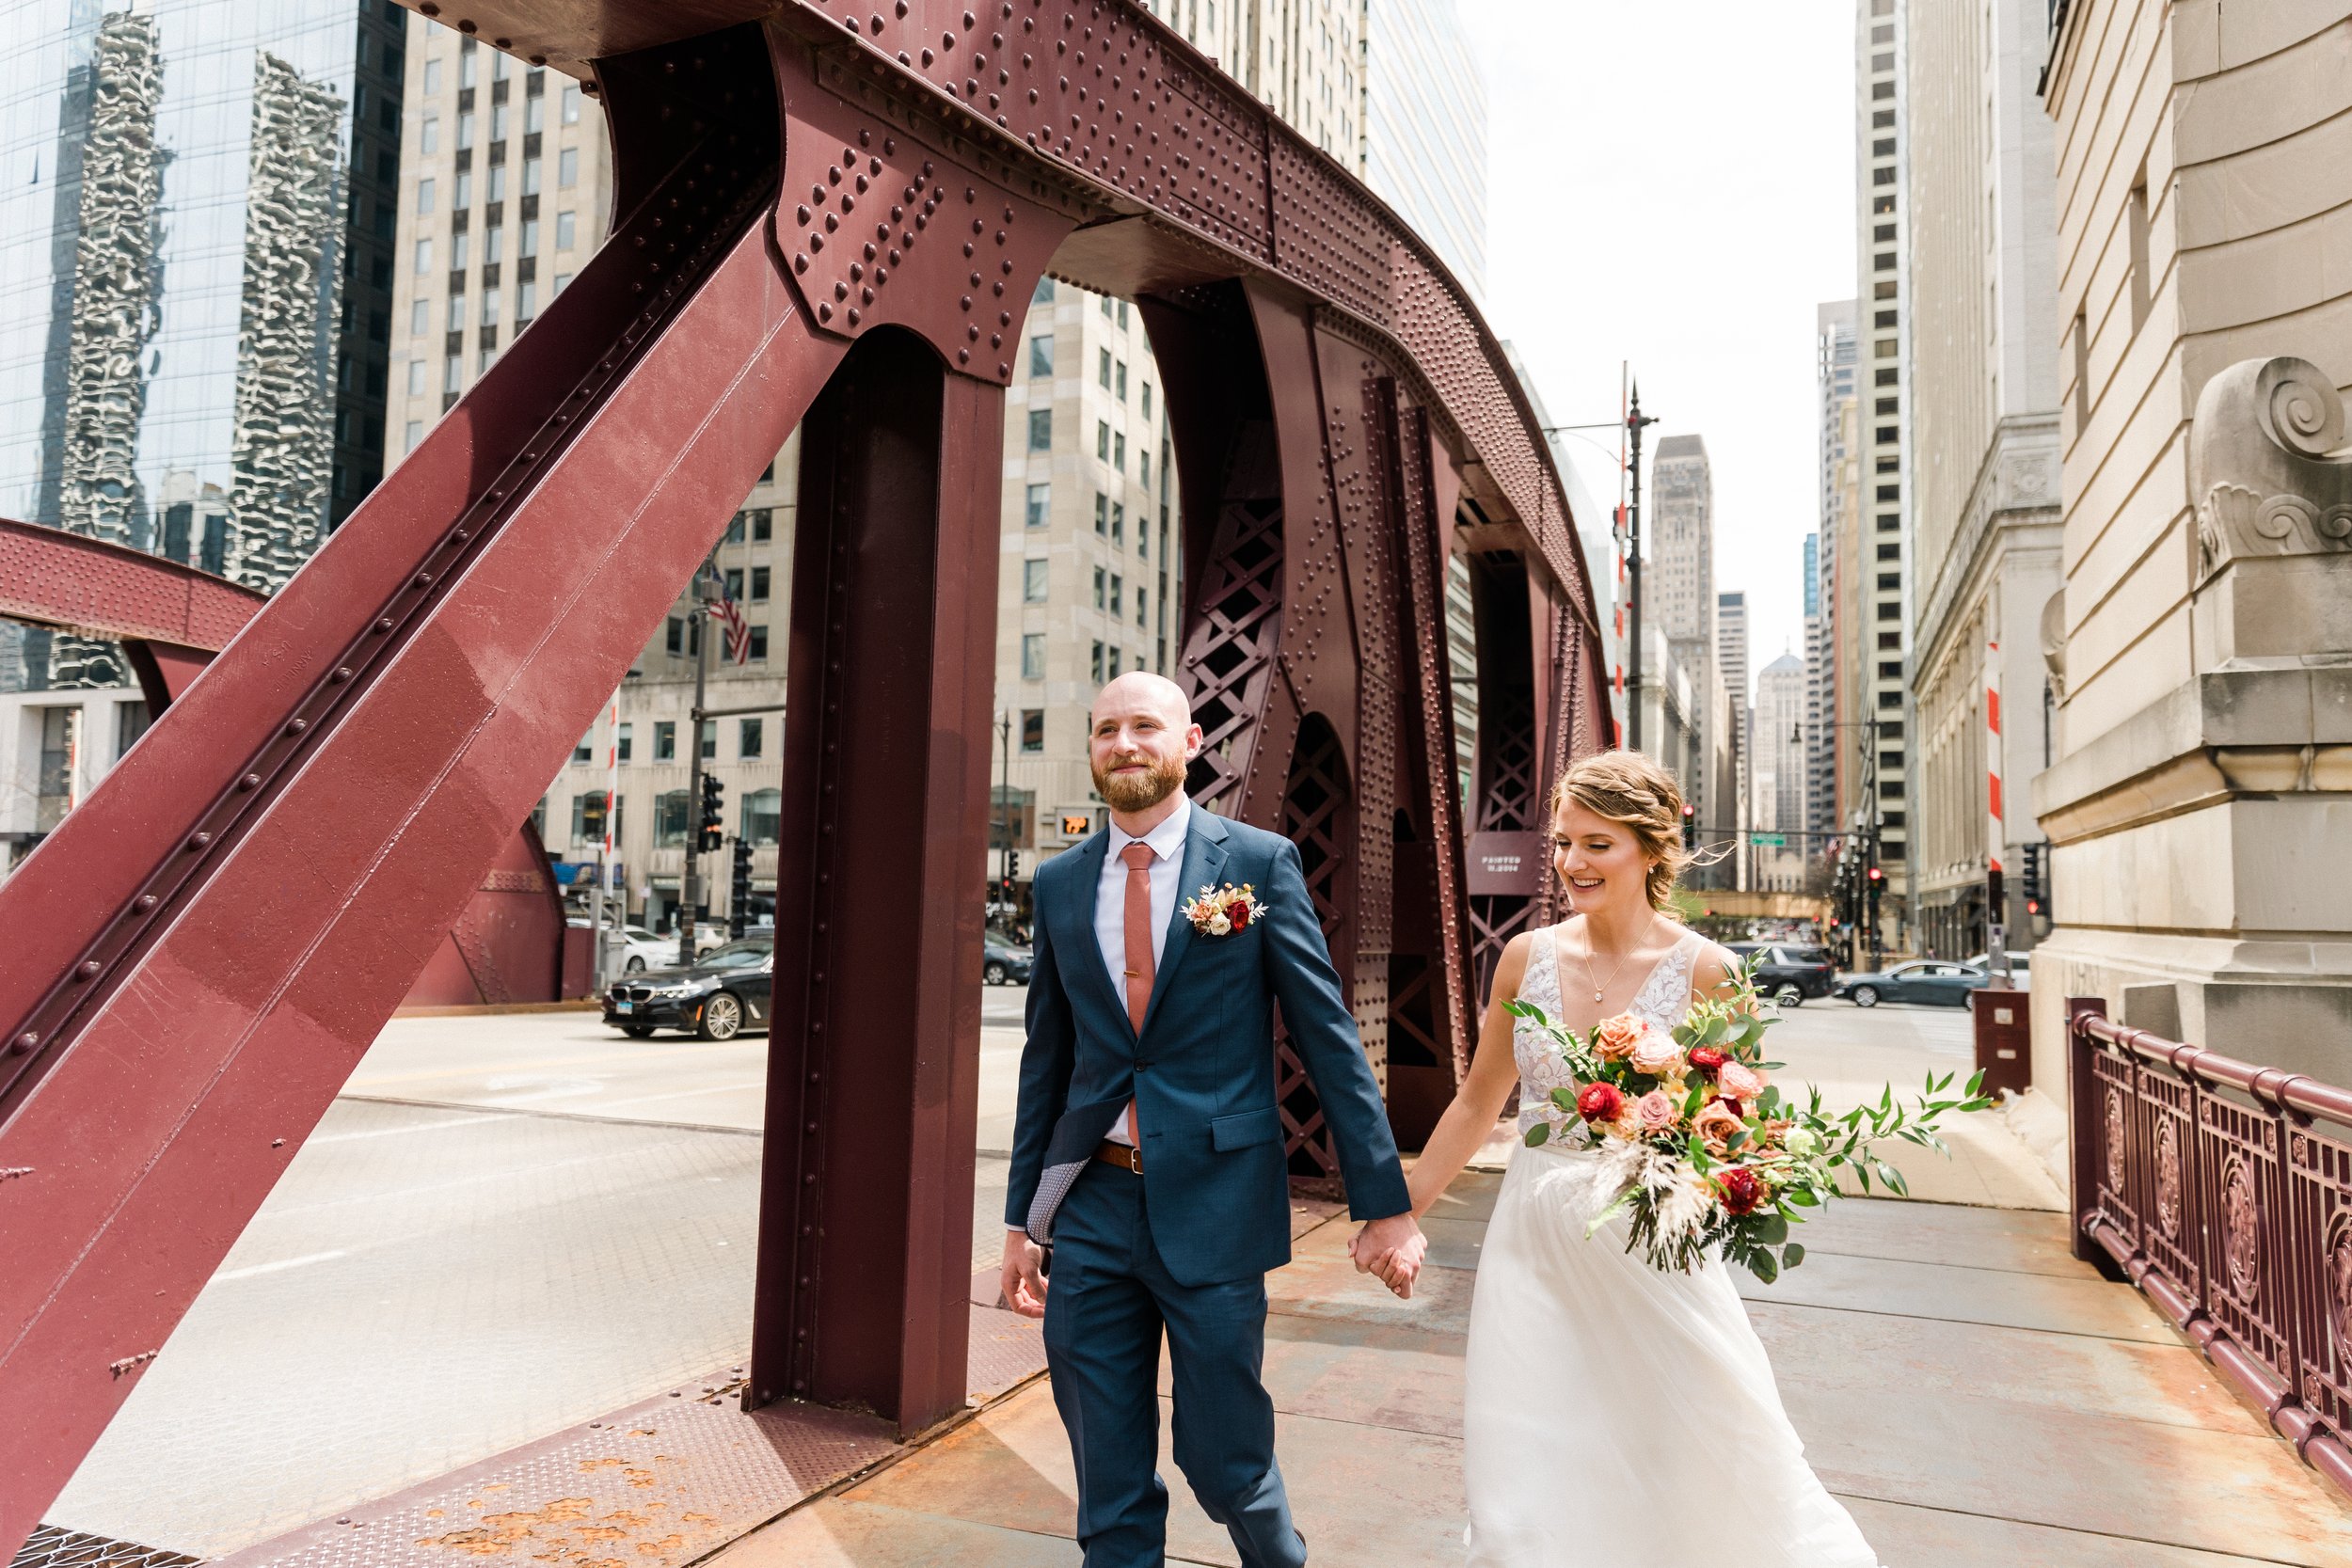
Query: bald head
x=1141, y=691
x=1141, y=738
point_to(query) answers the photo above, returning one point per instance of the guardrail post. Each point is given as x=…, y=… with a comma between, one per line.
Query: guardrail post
x=2084, y=1131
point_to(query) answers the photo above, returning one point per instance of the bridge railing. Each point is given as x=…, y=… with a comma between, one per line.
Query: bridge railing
x=2223, y=1191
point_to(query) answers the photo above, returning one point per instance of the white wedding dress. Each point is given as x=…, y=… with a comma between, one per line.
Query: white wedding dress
x=1617, y=1416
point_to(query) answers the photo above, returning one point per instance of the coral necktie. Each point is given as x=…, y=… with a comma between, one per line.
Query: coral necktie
x=1138, y=934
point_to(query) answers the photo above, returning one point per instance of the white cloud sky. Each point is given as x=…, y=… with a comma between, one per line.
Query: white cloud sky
x=1671, y=184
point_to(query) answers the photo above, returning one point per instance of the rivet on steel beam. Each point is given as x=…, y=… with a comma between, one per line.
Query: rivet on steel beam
x=146, y=901
x=503, y=43
x=251, y=781
x=295, y=726
x=465, y=26
x=23, y=1043
x=198, y=841
x=88, y=969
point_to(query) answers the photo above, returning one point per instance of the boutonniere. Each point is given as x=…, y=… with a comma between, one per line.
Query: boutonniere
x=1221, y=911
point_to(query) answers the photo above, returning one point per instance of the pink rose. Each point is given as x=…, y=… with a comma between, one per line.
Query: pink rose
x=1613, y=1038
x=1740, y=1080
x=1654, y=1111
x=1715, y=1124
x=1656, y=1053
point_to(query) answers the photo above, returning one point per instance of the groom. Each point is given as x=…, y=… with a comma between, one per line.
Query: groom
x=1147, y=1148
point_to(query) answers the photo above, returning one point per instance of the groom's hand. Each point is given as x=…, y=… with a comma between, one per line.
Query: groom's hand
x=1391, y=1247
x=1024, y=1283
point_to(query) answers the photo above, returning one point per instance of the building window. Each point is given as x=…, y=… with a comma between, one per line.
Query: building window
x=750, y=737
x=1044, y=293
x=1119, y=452
x=669, y=820
x=1144, y=473
x=1119, y=379
x=1033, y=657
x=1118, y=584
x=424, y=198
x=432, y=77
x=759, y=643
x=1103, y=516
x=1039, y=499
x=571, y=103
x=1147, y=400
x=1040, y=430
x=429, y=133
x=762, y=823
x=420, y=317
x=621, y=743
x=588, y=818
x=1119, y=522
x=1033, y=578
x=665, y=737
x=1103, y=369
x=563, y=233
x=1096, y=668
x=413, y=434
x=1032, y=730
x=567, y=168
x=1113, y=666
x=1139, y=618
x=1042, y=354
x=759, y=584
x=1101, y=589
x=1103, y=440
x=424, y=257
x=464, y=131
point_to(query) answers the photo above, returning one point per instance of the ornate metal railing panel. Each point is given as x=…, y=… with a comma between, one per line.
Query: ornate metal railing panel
x=2224, y=1191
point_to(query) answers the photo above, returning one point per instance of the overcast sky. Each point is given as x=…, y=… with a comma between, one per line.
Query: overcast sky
x=1671, y=184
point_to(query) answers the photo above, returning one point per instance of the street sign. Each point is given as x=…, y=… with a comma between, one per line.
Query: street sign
x=1769, y=841
x=1076, y=824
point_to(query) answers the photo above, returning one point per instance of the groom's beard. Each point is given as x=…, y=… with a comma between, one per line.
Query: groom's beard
x=1134, y=792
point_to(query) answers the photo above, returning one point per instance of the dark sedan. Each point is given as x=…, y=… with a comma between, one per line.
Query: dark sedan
x=1788, y=972
x=1934, y=981
x=717, y=998
x=1003, y=964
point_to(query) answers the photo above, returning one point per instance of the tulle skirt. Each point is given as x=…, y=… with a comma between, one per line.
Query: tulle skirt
x=1617, y=1416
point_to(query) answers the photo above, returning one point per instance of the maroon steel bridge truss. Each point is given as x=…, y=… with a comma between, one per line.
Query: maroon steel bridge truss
x=836, y=215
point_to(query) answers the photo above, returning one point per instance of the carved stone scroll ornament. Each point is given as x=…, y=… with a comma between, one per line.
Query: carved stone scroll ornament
x=2267, y=464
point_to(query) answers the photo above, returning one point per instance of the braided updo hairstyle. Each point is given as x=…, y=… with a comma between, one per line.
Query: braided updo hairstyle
x=1632, y=790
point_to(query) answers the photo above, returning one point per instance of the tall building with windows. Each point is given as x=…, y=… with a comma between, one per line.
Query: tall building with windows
x=1779, y=805
x=1679, y=590
x=505, y=191
x=1422, y=126
x=1984, y=434
x=195, y=231
x=1731, y=660
x=1881, y=818
x=1834, y=749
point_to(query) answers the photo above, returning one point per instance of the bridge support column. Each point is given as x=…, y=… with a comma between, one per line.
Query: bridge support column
x=866, y=1211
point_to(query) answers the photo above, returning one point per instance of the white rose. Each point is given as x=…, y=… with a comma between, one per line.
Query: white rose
x=1219, y=925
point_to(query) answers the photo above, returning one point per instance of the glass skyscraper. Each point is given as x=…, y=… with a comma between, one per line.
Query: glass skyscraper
x=197, y=219
x=1424, y=127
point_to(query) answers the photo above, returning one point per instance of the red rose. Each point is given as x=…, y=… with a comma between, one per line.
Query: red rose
x=1601, y=1103
x=1238, y=912
x=1743, y=1189
x=1708, y=1059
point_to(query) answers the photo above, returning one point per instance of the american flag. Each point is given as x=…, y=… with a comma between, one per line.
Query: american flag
x=739, y=631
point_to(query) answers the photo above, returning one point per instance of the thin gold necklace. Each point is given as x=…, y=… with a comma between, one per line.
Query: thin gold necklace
x=1599, y=986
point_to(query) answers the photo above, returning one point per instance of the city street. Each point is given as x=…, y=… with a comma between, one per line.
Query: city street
x=512, y=1223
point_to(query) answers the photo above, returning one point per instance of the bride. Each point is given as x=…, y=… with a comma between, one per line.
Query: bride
x=1590, y=1372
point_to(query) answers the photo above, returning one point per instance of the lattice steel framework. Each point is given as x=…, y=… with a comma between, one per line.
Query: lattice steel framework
x=834, y=213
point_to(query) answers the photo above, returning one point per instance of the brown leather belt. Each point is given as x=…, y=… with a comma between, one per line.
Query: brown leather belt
x=1120, y=1155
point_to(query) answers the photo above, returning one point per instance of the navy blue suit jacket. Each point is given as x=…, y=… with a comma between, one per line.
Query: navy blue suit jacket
x=1203, y=1072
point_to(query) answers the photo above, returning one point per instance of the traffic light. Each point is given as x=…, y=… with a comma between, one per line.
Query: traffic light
x=740, y=893
x=714, y=812
x=1689, y=827
x=2036, y=895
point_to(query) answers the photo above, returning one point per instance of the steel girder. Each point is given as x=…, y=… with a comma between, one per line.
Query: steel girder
x=206, y=946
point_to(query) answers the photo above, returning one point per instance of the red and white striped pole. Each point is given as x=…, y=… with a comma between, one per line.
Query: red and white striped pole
x=1996, y=910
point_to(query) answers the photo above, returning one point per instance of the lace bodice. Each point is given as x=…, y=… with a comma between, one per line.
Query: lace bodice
x=1662, y=1000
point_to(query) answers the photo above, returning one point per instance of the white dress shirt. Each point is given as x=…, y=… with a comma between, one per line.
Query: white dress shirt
x=1167, y=843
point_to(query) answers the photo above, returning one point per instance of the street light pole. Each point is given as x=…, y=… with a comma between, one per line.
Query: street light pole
x=1004, y=799
x=1634, y=421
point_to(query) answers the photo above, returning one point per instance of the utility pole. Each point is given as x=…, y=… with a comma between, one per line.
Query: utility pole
x=1634, y=421
x=690, y=885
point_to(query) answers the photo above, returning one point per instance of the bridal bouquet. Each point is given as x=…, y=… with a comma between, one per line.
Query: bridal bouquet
x=1703, y=1149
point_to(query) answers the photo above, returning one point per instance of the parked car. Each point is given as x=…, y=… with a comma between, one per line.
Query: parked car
x=1788, y=972
x=1003, y=964
x=1928, y=980
x=716, y=998
x=2020, y=968
x=641, y=949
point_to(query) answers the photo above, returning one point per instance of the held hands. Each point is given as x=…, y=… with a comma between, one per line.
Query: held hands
x=1024, y=1283
x=1391, y=1249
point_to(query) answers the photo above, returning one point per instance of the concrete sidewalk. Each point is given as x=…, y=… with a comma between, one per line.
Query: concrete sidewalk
x=1975, y=1395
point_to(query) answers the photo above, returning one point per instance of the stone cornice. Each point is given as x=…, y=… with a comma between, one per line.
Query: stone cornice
x=2214, y=738
x=2016, y=487
x=2264, y=464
